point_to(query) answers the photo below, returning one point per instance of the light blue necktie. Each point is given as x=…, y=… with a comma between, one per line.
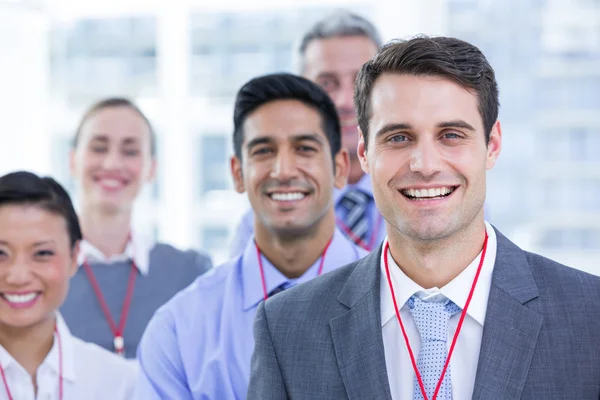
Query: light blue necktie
x=431, y=319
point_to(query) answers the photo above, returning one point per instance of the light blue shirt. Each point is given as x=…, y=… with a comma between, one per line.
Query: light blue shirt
x=199, y=345
x=244, y=231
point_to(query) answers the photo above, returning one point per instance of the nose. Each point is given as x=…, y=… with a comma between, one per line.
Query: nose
x=426, y=158
x=284, y=167
x=344, y=97
x=18, y=274
x=112, y=159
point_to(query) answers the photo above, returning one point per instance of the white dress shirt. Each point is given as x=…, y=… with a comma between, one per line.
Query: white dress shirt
x=138, y=249
x=463, y=364
x=89, y=372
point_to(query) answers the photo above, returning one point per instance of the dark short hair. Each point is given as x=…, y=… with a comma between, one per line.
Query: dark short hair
x=268, y=88
x=115, y=102
x=340, y=23
x=446, y=57
x=26, y=188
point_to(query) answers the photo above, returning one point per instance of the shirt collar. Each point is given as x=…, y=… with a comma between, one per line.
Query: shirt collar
x=252, y=288
x=52, y=359
x=456, y=290
x=137, y=249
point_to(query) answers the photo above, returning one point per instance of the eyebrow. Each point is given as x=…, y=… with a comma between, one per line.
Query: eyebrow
x=313, y=137
x=457, y=123
x=4, y=242
x=392, y=127
x=258, y=141
x=100, y=137
x=49, y=241
x=308, y=136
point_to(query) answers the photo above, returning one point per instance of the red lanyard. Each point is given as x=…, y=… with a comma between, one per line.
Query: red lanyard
x=460, y=322
x=262, y=271
x=117, y=331
x=60, y=369
x=356, y=239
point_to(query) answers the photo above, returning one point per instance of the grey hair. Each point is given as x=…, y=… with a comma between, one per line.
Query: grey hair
x=341, y=23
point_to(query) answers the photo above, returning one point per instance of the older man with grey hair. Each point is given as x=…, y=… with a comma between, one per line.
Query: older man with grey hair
x=330, y=54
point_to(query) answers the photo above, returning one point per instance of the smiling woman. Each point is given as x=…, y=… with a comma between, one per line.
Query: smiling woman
x=113, y=157
x=39, y=241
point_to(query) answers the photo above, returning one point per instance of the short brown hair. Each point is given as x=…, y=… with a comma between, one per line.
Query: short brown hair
x=447, y=57
x=113, y=102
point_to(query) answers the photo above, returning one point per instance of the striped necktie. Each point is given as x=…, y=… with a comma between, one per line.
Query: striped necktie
x=355, y=204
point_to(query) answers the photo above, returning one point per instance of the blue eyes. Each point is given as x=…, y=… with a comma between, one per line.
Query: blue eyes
x=403, y=138
x=398, y=138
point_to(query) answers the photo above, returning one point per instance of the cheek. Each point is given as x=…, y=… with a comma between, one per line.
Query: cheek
x=255, y=174
x=57, y=276
x=385, y=164
x=89, y=163
x=138, y=167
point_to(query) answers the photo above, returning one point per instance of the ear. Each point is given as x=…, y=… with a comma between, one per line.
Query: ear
x=236, y=173
x=494, y=146
x=342, y=168
x=74, y=259
x=361, y=150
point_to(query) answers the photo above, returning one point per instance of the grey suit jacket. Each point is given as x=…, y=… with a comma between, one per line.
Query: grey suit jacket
x=541, y=337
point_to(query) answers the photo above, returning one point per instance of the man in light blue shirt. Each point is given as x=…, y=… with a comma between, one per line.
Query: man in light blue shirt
x=288, y=158
x=331, y=53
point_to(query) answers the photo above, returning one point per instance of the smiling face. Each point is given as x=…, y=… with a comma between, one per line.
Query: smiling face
x=36, y=263
x=287, y=167
x=113, y=159
x=427, y=155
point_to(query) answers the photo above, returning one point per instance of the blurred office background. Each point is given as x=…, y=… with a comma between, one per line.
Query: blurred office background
x=183, y=60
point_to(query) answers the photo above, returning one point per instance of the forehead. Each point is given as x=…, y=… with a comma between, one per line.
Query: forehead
x=282, y=120
x=18, y=222
x=422, y=101
x=116, y=123
x=337, y=55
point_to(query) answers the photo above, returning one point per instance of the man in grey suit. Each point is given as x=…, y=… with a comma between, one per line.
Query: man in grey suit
x=447, y=307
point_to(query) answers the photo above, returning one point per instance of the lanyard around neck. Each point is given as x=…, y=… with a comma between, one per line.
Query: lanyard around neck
x=60, y=369
x=117, y=330
x=458, y=328
x=262, y=271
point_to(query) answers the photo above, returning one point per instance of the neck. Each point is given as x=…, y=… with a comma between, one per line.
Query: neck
x=438, y=263
x=109, y=233
x=29, y=346
x=294, y=255
x=356, y=172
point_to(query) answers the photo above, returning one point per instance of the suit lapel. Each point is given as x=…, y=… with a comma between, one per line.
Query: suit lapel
x=511, y=328
x=357, y=336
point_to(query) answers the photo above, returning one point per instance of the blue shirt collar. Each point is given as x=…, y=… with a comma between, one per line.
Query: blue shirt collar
x=251, y=280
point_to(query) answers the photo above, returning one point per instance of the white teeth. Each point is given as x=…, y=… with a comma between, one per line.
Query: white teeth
x=111, y=183
x=428, y=193
x=20, y=298
x=288, y=196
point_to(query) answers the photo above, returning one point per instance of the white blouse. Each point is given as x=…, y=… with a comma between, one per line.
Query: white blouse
x=89, y=372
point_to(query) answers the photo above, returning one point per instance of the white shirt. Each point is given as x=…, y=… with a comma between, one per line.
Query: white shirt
x=138, y=249
x=463, y=364
x=89, y=372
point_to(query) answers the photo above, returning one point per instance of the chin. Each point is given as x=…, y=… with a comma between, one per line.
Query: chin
x=23, y=321
x=426, y=231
